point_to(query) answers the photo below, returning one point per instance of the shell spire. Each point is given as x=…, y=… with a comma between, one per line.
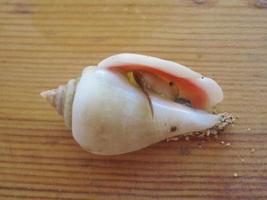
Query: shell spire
x=62, y=99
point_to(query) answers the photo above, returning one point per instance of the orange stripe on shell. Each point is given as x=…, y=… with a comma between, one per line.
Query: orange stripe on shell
x=188, y=90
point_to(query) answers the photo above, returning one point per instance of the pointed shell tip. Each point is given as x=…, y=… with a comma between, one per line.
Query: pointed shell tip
x=49, y=96
x=44, y=94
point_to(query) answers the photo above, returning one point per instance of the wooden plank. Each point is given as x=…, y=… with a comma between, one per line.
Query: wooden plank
x=44, y=43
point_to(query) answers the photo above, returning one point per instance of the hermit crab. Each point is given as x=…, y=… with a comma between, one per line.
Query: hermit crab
x=130, y=101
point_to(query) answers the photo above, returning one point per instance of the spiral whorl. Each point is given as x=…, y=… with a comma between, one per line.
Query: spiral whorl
x=62, y=99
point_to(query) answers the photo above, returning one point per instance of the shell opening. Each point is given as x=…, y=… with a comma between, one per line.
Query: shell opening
x=156, y=84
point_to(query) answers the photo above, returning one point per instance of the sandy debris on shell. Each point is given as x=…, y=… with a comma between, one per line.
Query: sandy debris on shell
x=226, y=119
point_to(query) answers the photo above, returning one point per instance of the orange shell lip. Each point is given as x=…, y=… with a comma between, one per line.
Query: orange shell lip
x=188, y=89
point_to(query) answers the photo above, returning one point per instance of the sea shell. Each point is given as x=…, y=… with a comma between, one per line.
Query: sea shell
x=108, y=115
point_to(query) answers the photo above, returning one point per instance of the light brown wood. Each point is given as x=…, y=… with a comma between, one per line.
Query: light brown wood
x=44, y=43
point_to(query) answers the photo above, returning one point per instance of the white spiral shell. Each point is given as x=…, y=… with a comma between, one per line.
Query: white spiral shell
x=110, y=116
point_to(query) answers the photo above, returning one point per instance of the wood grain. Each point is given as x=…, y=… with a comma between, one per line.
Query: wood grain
x=44, y=43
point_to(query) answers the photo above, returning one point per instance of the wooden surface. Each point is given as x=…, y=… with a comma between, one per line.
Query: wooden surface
x=44, y=43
